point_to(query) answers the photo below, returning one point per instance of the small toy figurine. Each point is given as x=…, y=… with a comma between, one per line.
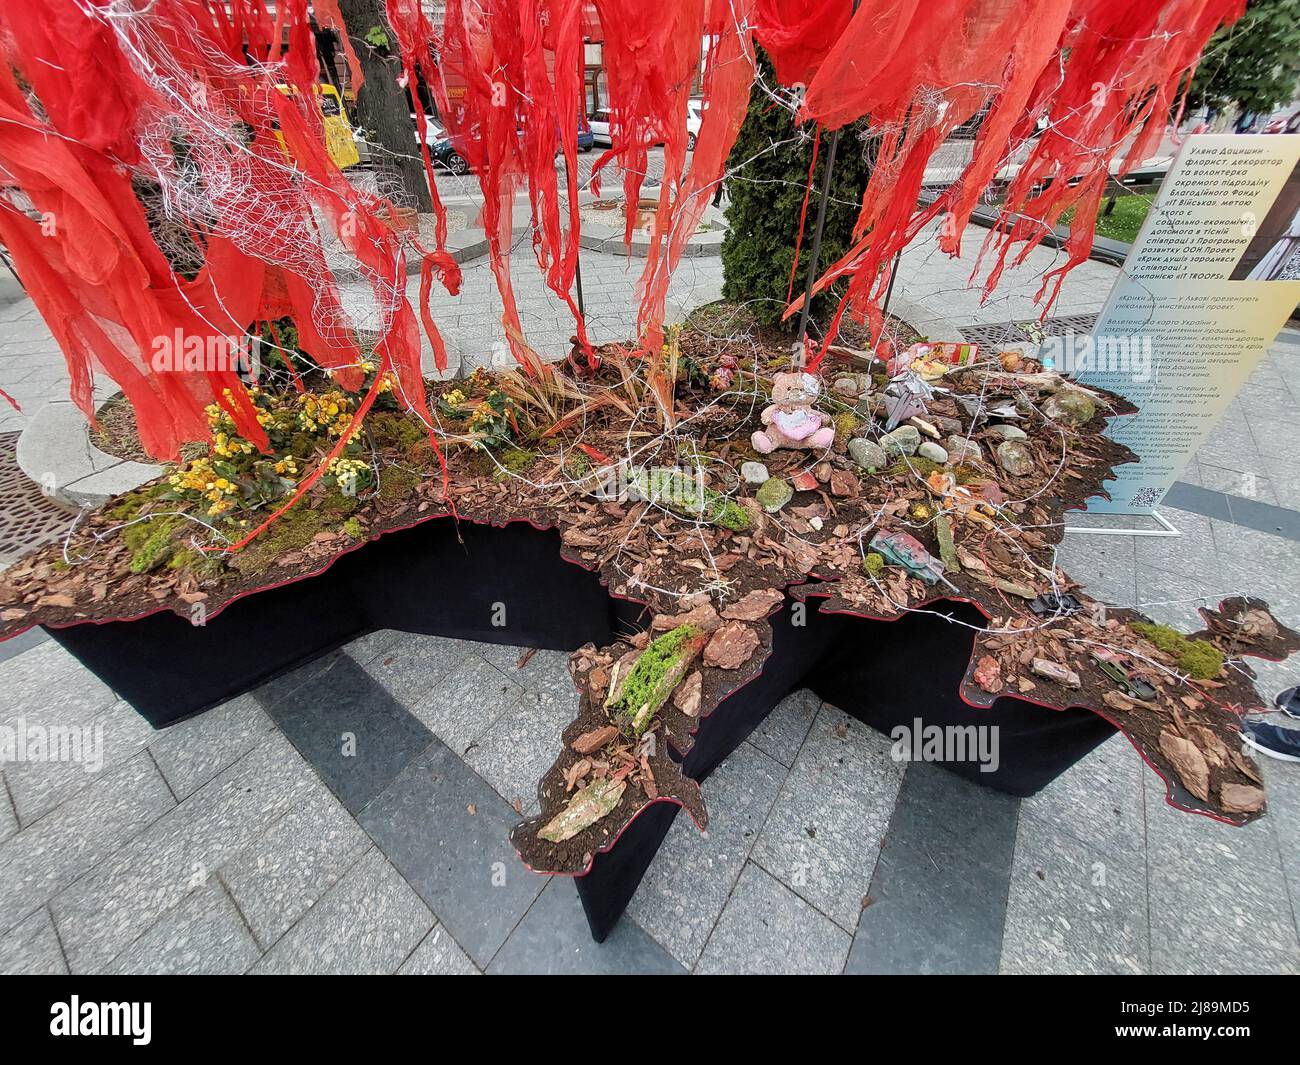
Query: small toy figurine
x=791, y=419
x=904, y=549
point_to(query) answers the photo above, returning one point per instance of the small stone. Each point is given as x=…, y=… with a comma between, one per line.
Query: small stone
x=1015, y=457
x=902, y=441
x=805, y=481
x=816, y=523
x=848, y=385
x=773, y=494
x=753, y=472
x=962, y=450
x=1070, y=406
x=932, y=451
x=1049, y=670
x=822, y=471
x=867, y=454
x=1008, y=432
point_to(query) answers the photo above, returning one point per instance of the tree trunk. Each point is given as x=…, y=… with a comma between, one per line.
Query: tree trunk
x=382, y=108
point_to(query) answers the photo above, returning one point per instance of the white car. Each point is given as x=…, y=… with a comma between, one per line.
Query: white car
x=695, y=109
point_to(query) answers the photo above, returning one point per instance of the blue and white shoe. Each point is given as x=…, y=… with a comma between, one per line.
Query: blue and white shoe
x=1272, y=740
x=1289, y=702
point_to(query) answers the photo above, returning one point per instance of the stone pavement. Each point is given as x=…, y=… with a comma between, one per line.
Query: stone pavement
x=243, y=841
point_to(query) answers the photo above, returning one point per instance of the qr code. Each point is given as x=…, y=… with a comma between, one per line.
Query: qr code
x=1145, y=497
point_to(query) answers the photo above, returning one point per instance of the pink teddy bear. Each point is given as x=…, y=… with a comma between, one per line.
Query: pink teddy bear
x=791, y=420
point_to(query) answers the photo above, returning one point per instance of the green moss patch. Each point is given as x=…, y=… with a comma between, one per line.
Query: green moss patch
x=1197, y=658
x=654, y=675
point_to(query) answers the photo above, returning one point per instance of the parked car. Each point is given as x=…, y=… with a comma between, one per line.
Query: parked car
x=586, y=137
x=598, y=124
x=694, y=120
x=447, y=153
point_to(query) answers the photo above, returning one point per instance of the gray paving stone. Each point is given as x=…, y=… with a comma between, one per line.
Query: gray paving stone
x=692, y=876
x=1073, y=909
x=365, y=648
x=369, y=922
x=1219, y=899
x=192, y=752
x=553, y=939
x=518, y=748
x=49, y=855
x=32, y=948
x=438, y=955
x=281, y=875
x=107, y=738
x=8, y=819
x=782, y=732
x=823, y=835
x=1099, y=801
x=460, y=862
x=463, y=705
x=354, y=733
x=125, y=894
x=24, y=641
x=203, y=935
x=938, y=895
x=767, y=928
x=1193, y=554
x=412, y=664
x=48, y=684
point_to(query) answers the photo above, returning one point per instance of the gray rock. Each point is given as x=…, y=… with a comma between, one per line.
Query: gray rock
x=867, y=454
x=962, y=450
x=1015, y=458
x=1008, y=432
x=754, y=472
x=1070, y=406
x=848, y=385
x=902, y=441
x=932, y=451
x=773, y=494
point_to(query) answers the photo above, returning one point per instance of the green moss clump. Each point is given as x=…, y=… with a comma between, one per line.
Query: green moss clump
x=130, y=505
x=399, y=431
x=354, y=529
x=846, y=424
x=873, y=564
x=205, y=565
x=685, y=495
x=513, y=461
x=914, y=465
x=1197, y=658
x=301, y=445
x=396, y=483
x=293, y=530
x=150, y=542
x=647, y=685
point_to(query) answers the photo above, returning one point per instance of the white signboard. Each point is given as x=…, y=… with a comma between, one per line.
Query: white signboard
x=1211, y=280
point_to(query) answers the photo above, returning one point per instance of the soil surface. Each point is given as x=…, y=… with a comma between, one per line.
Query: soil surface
x=571, y=463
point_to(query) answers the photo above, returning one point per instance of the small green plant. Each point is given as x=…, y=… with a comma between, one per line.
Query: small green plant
x=873, y=564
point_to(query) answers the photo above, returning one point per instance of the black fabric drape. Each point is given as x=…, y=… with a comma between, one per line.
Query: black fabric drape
x=510, y=586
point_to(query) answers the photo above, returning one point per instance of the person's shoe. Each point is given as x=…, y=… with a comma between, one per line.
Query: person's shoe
x=1289, y=702
x=1272, y=740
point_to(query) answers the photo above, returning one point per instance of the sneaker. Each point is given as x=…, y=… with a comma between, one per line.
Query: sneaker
x=1289, y=702
x=1272, y=740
